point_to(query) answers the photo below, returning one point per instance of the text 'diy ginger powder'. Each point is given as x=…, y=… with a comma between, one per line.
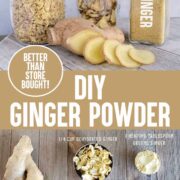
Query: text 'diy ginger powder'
x=148, y=21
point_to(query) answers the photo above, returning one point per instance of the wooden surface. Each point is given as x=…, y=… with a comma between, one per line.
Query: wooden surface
x=168, y=55
x=54, y=157
x=1, y=38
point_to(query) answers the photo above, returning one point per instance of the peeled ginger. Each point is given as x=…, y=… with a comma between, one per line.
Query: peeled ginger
x=77, y=42
x=122, y=53
x=142, y=56
x=109, y=51
x=93, y=51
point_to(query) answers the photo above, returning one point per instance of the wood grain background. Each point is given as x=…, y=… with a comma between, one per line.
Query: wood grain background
x=54, y=157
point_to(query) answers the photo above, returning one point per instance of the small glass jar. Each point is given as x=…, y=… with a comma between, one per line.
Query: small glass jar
x=100, y=12
x=149, y=21
x=31, y=18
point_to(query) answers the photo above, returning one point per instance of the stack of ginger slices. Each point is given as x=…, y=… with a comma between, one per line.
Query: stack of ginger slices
x=126, y=55
x=84, y=38
x=98, y=49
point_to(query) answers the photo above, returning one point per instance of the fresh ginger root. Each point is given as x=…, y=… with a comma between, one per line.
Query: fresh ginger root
x=21, y=163
x=67, y=28
x=32, y=170
x=77, y=42
x=16, y=165
x=114, y=33
x=74, y=33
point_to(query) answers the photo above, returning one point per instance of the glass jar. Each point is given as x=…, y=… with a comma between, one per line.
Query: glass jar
x=100, y=12
x=149, y=21
x=31, y=18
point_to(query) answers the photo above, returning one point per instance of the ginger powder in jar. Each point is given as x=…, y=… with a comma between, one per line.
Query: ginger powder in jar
x=149, y=21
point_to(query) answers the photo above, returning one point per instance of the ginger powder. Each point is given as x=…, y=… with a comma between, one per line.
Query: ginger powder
x=148, y=21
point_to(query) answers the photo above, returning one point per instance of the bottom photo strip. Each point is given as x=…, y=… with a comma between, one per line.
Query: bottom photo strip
x=89, y=155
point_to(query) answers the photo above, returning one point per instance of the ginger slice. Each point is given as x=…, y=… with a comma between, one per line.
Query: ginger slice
x=93, y=51
x=122, y=53
x=77, y=42
x=142, y=56
x=109, y=50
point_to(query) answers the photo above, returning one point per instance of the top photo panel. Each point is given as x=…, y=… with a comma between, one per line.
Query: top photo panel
x=118, y=35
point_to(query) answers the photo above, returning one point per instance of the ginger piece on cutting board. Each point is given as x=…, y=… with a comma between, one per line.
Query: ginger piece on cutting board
x=20, y=165
x=93, y=51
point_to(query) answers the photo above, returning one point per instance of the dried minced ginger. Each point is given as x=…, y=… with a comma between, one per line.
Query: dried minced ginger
x=100, y=12
x=93, y=162
x=32, y=18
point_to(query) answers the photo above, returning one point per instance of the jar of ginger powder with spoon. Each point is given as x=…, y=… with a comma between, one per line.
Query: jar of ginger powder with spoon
x=149, y=21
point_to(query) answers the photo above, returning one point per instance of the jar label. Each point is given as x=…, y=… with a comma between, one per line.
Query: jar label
x=148, y=19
